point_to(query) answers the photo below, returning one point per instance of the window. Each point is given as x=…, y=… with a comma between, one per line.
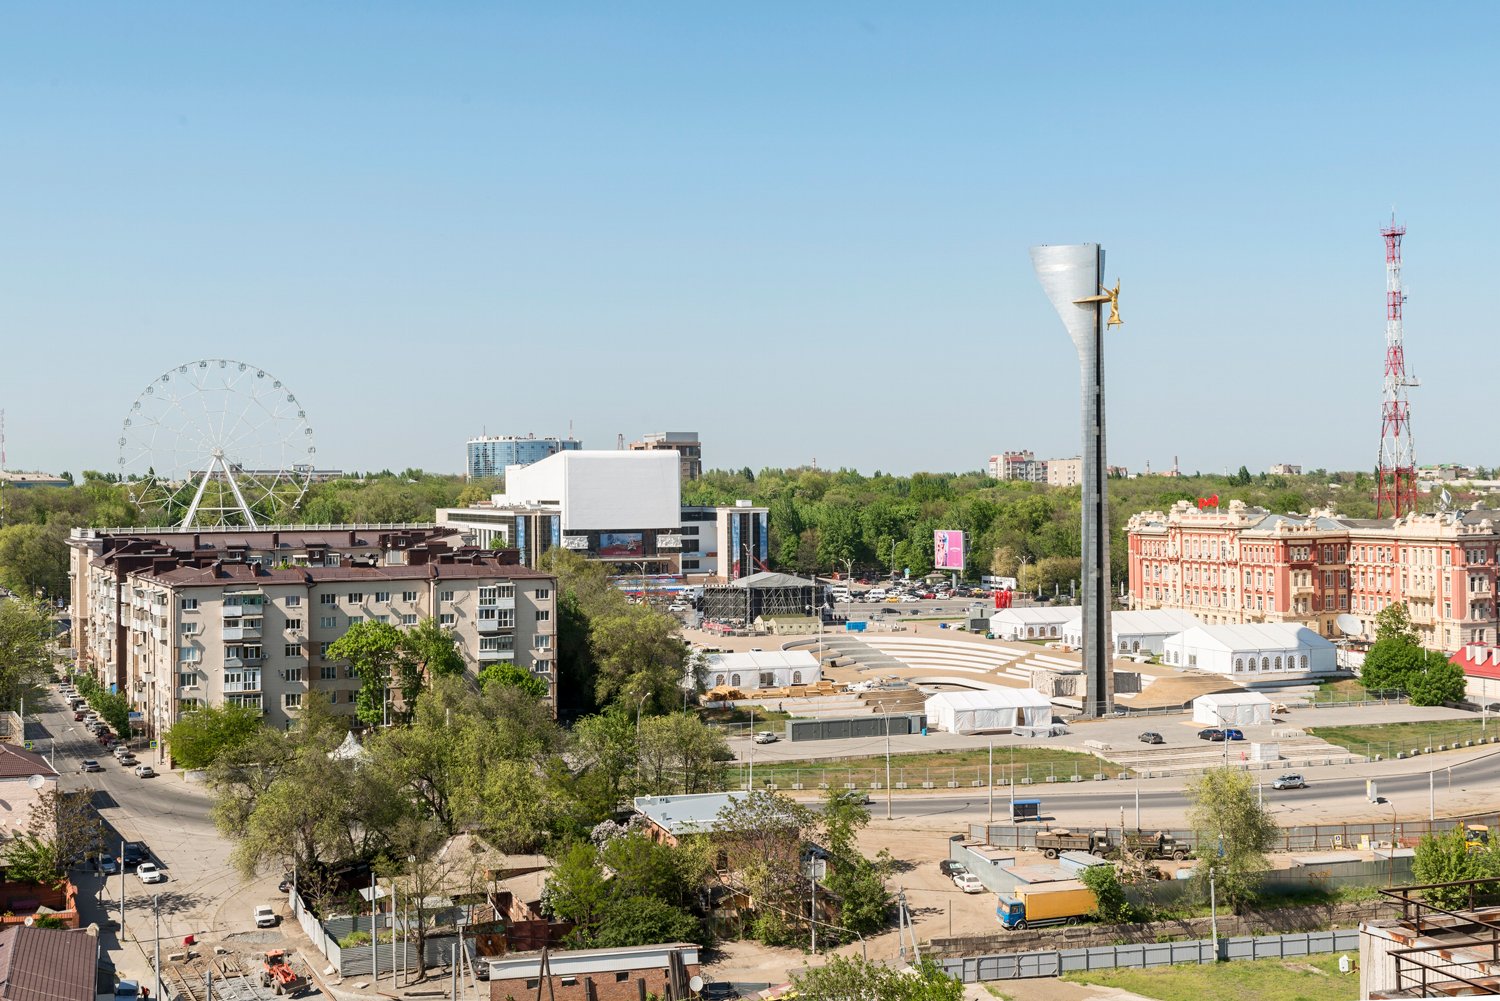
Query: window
x=293, y=600
x=445, y=619
x=291, y=700
x=294, y=674
x=487, y=596
x=189, y=654
x=382, y=596
x=293, y=625
x=323, y=649
x=355, y=597
x=187, y=679
x=445, y=596
x=543, y=615
x=292, y=650
x=408, y=620
x=1304, y=662
x=328, y=673
x=1239, y=663
x=542, y=667
x=187, y=604
x=408, y=596
x=328, y=622
x=332, y=560
x=543, y=593
x=542, y=643
x=187, y=628
x=355, y=620
x=328, y=599
x=621, y=976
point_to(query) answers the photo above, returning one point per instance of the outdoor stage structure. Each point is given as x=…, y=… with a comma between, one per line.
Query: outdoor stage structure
x=1073, y=277
x=762, y=596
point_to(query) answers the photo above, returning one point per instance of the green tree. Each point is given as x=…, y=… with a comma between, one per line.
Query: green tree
x=34, y=559
x=507, y=673
x=1393, y=622
x=678, y=752
x=1438, y=681
x=25, y=648
x=200, y=736
x=854, y=979
x=375, y=652
x=434, y=648
x=1110, y=903
x=639, y=652
x=762, y=834
x=30, y=859
x=631, y=921
x=604, y=748
x=1447, y=858
x=1234, y=832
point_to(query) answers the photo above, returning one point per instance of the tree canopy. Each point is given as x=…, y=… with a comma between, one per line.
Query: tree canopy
x=1234, y=833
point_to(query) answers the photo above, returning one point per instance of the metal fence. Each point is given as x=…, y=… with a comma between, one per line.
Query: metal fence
x=1055, y=962
x=1310, y=837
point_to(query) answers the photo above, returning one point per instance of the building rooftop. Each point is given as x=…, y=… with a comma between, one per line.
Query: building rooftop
x=692, y=814
x=16, y=763
x=219, y=574
x=46, y=964
x=572, y=962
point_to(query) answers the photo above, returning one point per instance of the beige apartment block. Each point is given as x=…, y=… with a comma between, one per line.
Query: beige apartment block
x=175, y=630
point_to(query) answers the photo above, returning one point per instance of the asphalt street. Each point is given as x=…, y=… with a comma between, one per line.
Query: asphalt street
x=173, y=818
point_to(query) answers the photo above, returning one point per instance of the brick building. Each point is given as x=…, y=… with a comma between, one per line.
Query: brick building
x=596, y=974
x=1243, y=565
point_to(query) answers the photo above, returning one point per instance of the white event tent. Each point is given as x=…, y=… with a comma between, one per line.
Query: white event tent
x=1231, y=709
x=989, y=710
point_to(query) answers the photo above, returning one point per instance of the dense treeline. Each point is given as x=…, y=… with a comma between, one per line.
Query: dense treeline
x=819, y=518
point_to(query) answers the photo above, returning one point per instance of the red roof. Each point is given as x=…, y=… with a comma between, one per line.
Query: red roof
x=1478, y=660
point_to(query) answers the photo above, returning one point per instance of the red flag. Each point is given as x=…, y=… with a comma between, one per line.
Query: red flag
x=1214, y=500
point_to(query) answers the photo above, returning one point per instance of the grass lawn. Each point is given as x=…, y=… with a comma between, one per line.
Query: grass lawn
x=938, y=767
x=1342, y=688
x=1314, y=978
x=1388, y=738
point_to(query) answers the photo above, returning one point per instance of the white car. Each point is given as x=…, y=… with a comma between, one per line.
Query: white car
x=910, y=598
x=145, y=772
x=968, y=882
x=150, y=873
x=265, y=916
x=766, y=737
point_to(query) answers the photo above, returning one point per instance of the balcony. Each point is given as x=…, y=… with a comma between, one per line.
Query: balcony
x=233, y=611
x=231, y=687
x=185, y=692
x=1421, y=587
x=491, y=656
x=1304, y=589
x=241, y=632
x=500, y=603
x=489, y=627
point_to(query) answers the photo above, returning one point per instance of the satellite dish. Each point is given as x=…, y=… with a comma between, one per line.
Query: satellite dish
x=695, y=985
x=1348, y=624
x=30, y=921
x=36, y=782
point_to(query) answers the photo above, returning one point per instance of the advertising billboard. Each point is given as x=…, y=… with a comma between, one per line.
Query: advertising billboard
x=947, y=550
x=622, y=543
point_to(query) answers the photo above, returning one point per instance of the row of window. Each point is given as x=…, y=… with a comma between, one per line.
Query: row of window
x=487, y=595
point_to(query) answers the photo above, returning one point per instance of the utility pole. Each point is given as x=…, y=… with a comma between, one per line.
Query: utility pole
x=1213, y=910
x=122, y=889
x=374, y=933
x=1431, y=805
x=156, y=962
x=813, y=922
x=992, y=785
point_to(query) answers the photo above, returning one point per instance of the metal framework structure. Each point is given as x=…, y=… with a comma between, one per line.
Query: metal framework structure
x=1396, y=470
x=1462, y=954
x=741, y=603
x=217, y=442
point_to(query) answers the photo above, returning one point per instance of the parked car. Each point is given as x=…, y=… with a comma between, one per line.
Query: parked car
x=127, y=990
x=149, y=872
x=950, y=868
x=108, y=866
x=90, y=765
x=1212, y=733
x=1152, y=737
x=135, y=854
x=128, y=760
x=766, y=737
x=1291, y=780
x=968, y=882
x=78, y=717
x=1230, y=733
x=265, y=916
x=145, y=772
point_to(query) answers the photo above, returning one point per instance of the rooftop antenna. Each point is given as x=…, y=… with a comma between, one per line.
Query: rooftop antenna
x=1396, y=486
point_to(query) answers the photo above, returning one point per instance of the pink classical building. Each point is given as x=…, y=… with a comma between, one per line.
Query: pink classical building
x=1241, y=564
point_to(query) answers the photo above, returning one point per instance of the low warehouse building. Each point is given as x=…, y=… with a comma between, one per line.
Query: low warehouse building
x=988, y=711
x=1142, y=632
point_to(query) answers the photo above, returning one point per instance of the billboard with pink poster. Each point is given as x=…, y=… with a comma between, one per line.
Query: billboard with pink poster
x=947, y=550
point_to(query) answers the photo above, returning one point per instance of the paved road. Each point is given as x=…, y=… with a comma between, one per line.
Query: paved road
x=173, y=818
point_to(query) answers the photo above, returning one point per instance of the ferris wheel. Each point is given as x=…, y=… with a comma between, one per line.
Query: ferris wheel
x=216, y=442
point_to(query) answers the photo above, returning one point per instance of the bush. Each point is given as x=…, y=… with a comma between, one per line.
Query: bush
x=1110, y=903
x=354, y=940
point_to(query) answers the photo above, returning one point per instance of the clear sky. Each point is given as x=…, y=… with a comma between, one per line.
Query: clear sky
x=800, y=229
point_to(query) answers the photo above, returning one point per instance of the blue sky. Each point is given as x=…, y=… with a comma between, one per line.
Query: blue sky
x=800, y=229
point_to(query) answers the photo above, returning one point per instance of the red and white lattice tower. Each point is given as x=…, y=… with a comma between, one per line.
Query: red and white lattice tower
x=1396, y=492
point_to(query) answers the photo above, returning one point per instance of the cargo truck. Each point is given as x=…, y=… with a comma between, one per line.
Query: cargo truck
x=1058, y=840
x=1064, y=902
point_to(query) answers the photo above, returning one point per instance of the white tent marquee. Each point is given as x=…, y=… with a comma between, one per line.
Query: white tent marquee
x=1252, y=649
x=1038, y=623
x=1232, y=709
x=989, y=710
x=1144, y=631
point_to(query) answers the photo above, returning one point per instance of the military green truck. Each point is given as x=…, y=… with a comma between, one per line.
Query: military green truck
x=1156, y=846
x=1054, y=842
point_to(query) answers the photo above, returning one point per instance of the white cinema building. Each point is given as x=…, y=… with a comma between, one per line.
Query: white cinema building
x=1252, y=649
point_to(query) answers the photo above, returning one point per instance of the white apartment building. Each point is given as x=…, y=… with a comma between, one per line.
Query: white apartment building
x=175, y=631
x=1018, y=466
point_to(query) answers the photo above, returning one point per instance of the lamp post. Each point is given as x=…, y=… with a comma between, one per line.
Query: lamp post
x=1213, y=910
x=1390, y=879
x=888, y=793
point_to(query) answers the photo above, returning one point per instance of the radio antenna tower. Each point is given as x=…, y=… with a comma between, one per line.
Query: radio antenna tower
x=1396, y=491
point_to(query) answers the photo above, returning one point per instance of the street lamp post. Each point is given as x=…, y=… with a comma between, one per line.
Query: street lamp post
x=888, y=793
